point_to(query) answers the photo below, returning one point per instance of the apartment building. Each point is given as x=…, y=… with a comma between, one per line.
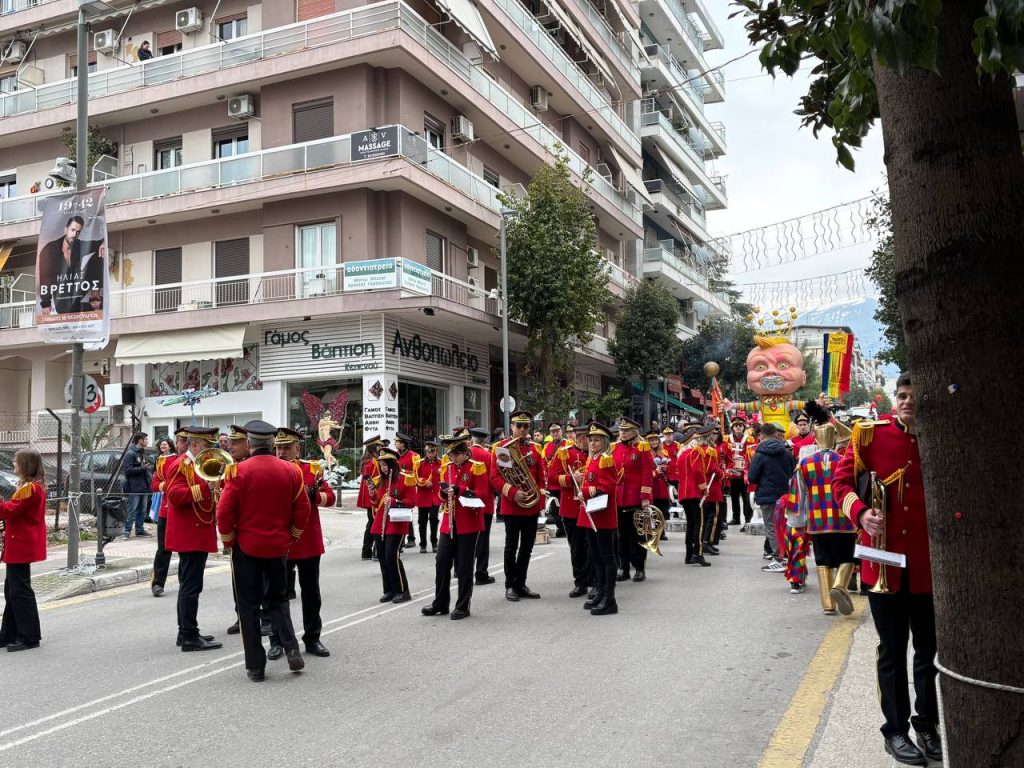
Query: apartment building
x=304, y=193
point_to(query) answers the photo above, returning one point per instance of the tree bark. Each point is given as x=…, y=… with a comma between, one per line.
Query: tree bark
x=956, y=181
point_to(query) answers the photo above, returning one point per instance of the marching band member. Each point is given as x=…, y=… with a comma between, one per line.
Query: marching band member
x=660, y=477
x=192, y=533
x=634, y=460
x=304, y=556
x=238, y=447
x=601, y=478
x=570, y=461
x=551, y=469
x=736, y=446
x=693, y=484
x=408, y=460
x=261, y=515
x=22, y=542
x=520, y=520
x=714, y=497
x=804, y=437
x=482, y=454
x=391, y=488
x=672, y=451
x=462, y=479
x=428, y=494
x=164, y=470
x=367, y=473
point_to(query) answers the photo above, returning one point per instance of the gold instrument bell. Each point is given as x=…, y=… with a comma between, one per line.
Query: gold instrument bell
x=650, y=523
x=211, y=464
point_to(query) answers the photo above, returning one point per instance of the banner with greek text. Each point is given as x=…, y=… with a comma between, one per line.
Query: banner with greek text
x=380, y=405
x=372, y=274
x=72, y=289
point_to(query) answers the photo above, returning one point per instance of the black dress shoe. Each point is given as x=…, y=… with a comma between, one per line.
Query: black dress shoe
x=201, y=637
x=639, y=576
x=528, y=593
x=482, y=580
x=622, y=576
x=433, y=610
x=157, y=590
x=256, y=675
x=903, y=750
x=316, y=648
x=234, y=629
x=276, y=651
x=266, y=628
x=198, y=644
x=710, y=549
x=20, y=646
x=688, y=560
x=295, y=662
x=699, y=560
x=931, y=745
x=387, y=597
x=511, y=595
x=606, y=607
x=592, y=600
x=423, y=550
x=458, y=613
x=402, y=598
x=578, y=592
x=734, y=522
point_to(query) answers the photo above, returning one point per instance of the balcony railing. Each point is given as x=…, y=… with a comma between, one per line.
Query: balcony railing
x=696, y=277
x=719, y=128
x=705, y=16
x=688, y=145
x=687, y=84
x=615, y=45
x=684, y=201
x=13, y=6
x=276, y=162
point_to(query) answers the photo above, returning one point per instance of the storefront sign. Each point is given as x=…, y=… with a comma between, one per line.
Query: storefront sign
x=588, y=381
x=451, y=357
x=417, y=277
x=374, y=274
x=380, y=405
x=674, y=384
x=321, y=348
x=375, y=144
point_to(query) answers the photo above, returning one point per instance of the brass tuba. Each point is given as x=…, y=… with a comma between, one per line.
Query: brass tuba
x=514, y=470
x=877, y=489
x=650, y=523
x=211, y=463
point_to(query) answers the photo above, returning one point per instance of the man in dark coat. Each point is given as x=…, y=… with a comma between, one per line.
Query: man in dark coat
x=770, y=470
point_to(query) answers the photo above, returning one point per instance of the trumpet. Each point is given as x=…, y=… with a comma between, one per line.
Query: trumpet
x=211, y=464
x=878, y=502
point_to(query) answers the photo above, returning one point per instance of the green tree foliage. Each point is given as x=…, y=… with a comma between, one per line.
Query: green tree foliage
x=726, y=341
x=883, y=273
x=646, y=345
x=98, y=145
x=605, y=408
x=94, y=437
x=849, y=37
x=557, y=281
x=812, y=389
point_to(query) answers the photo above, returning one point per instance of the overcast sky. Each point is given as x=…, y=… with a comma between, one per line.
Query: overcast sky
x=777, y=170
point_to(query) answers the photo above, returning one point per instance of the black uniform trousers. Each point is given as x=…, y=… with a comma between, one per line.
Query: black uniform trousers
x=308, y=569
x=577, y=535
x=162, y=558
x=392, y=572
x=712, y=510
x=630, y=551
x=259, y=579
x=559, y=528
x=368, y=538
x=191, y=567
x=520, y=535
x=483, y=547
x=897, y=617
x=21, y=614
x=428, y=514
x=739, y=495
x=692, y=508
x=458, y=551
x=833, y=549
x=603, y=544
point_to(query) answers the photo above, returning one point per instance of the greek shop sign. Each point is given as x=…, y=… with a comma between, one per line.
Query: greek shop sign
x=373, y=274
x=320, y=348
x=415, y=348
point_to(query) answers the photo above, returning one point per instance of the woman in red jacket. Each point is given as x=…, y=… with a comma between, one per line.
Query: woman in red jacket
x=600, y=479
x=392, y=489
x=23, y=541
x=367, y=472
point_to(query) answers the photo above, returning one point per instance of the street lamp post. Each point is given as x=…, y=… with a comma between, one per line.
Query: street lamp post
x=504, y=322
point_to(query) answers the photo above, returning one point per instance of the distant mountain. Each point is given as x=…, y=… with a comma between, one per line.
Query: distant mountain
x=858, y=314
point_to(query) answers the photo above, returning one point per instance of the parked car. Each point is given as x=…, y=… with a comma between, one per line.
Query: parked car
x=97, y=469
x=8, y=484
x=54, y=485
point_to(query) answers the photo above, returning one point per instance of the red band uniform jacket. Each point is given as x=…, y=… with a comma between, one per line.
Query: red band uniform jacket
x=601, y=477
x=692, y=480
x=636, y=463
x=659, y=477
x=25, y=519
x=483, y=455
x=888, y=448
x=568, y=459
x=428, y=477
x=311, y=543
x=470, y=476
x=165, y=467
x=399, y=493
x=263, y=508
x=672, y=451
x=551, y=465
x=366, y=475
x=191, y=519
x=535, y=464
x=711, y=464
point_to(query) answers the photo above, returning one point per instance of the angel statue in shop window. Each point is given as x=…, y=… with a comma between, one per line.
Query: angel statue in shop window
x=322, y=419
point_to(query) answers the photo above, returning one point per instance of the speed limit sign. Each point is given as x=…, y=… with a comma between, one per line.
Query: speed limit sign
x=92, y=394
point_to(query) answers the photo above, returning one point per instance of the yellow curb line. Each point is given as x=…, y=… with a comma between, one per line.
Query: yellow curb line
x=795, y=731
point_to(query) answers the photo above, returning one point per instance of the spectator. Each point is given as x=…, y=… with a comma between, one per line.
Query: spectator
x=137, y=478
x=770, y=470
x=165, y=447
x=145, y=52
x=498, y=434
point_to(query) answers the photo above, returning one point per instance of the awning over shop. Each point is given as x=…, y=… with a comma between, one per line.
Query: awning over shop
x=222, y=341
x=658, y=395
x=465, y=14
x=632, y=175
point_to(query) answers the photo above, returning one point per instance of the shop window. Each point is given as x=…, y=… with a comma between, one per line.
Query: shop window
x=349, y=448
x=167, y=153
x=433, y=132
x=421, y=411
x=473, y=405
x=167, y=271
x=228, y=142
x=312, y=120
x=316, y=254
x=8, y=184
x=492, y=177
x=230, y=28
x=437, y=249
x=231, y=258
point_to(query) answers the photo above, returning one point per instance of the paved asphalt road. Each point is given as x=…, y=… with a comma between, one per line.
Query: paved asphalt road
x=695, y=670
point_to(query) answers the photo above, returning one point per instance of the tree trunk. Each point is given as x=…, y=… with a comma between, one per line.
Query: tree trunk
x=956, y=180
x=647, y=405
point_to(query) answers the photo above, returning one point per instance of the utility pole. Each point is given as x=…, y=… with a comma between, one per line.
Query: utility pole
x=504, y=325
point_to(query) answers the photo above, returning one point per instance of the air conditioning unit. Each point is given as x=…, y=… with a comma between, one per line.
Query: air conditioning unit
x=604, y=171
x=462, y=128
x=518, y=191
x=473, y=282
x=539, y=98
x=188, y=20
x=104, y=41
x=242, y=107
x=473, y=258
x=15, y=51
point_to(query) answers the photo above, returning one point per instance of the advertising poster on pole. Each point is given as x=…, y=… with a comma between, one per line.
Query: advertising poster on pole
x=72, y=287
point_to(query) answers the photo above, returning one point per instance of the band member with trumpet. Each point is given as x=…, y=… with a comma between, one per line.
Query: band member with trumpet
x=22, y=542
x=462, y=480
x=391, y=488
x=192, y=533
x=601, y=478
x=428, y=493
x=520, y=505
x=660, y=477
x=164, y=470
x=304, y=556
x=367, y=475
x=693, y=485
x=714, y=498
x=736, y=445
x=408, y=461
x=549, y=449
x=635, y=462
x=889, y=449
x=570, y=461
x=261, y=515
x=482, y=454
x=671, y=448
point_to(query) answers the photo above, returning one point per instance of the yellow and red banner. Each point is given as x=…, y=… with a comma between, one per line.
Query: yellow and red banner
x=835, y=364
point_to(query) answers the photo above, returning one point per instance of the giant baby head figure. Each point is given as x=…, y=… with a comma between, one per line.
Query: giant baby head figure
x=775, y=367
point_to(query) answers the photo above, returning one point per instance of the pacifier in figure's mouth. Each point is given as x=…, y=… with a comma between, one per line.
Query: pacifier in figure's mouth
x=773, y=383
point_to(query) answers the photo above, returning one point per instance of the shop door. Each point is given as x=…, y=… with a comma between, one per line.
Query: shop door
x=421, y=411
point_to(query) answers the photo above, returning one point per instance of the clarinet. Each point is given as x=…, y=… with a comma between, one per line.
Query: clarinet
x=450, y=504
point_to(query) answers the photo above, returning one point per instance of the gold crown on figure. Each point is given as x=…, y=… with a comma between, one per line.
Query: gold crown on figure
x=772, y=327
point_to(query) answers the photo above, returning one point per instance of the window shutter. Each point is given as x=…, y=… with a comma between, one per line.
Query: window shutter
x=435, y=252
x=312, y=121
x=166, y=271
x=231, y=257
x=73, y=59
x=310, y=9
x=168, y=38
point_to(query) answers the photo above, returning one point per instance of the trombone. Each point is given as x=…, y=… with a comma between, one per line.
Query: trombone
x=877, y=488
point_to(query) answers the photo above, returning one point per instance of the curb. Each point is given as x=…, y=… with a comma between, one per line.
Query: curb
x=102, y=581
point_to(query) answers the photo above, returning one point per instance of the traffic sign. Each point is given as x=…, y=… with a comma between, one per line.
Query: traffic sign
x=511, y=404
x=92, y=394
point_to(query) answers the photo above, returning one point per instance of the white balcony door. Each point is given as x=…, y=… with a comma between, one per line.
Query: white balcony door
x=316, y=245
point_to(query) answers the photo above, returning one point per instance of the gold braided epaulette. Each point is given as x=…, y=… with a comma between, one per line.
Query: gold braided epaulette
x=479, y=468
x=24, y=492
x=607, y=460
